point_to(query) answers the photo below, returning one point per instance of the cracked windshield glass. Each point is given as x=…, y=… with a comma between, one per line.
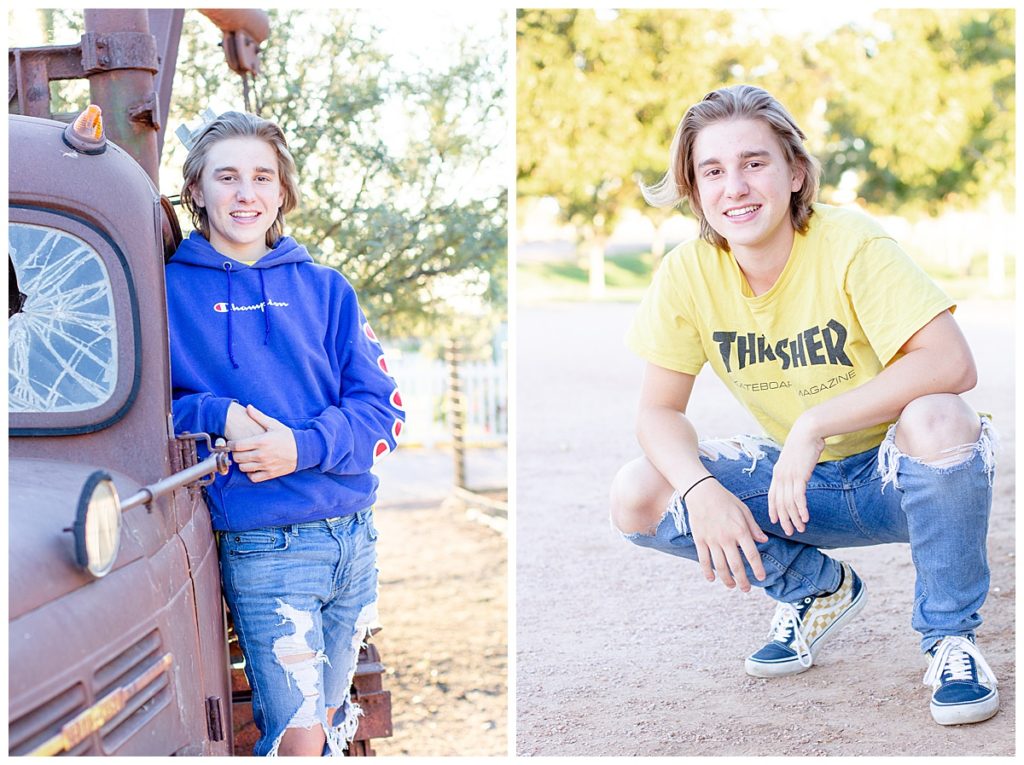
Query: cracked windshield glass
x=62, y=340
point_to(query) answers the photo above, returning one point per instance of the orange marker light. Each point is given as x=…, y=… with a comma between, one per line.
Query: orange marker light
x=89, y=124
x=85, y=134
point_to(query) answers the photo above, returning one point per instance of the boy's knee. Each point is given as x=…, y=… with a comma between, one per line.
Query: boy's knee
x=620, y=502
x=638, y=498
x=933, y=423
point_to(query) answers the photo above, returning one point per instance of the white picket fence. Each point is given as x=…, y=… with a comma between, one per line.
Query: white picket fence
x=423, y=383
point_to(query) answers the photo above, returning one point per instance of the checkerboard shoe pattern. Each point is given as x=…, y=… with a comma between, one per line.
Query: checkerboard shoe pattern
x=800, y=629
x=963, y=685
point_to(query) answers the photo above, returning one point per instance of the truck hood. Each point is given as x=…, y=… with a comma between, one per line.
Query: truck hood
x=43, y=499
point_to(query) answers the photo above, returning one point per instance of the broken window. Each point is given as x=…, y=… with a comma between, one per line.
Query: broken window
x=62, y=343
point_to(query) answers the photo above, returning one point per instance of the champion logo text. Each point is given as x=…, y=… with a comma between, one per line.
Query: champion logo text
x=223, y=307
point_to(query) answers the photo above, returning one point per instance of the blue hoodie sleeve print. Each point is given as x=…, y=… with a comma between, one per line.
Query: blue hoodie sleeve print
x=348, y=439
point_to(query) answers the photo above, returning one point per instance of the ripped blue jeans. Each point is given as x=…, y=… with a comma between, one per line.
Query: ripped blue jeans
x=302, y=598
x=875, y=497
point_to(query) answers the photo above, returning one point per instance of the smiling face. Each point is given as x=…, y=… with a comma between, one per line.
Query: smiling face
x=744, y=185
x=240, y=187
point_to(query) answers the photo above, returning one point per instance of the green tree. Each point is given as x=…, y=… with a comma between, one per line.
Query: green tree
x=390, y=160
x=599, y=97
x=387, y=160
x=921, y=106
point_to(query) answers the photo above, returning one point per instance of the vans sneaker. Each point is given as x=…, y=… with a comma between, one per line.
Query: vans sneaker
x=963, y=685
x=800, y=629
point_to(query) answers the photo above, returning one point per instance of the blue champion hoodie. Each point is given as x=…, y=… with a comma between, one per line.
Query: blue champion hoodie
x=287, y=336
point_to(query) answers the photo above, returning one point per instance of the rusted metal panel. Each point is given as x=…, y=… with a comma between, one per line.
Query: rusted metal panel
x=215, y=717
x=211, y=663
x=29, y=72
x=376, y=719
x=119, y=215
x=368, y=691
x=165, y=25
x=44, y=490
x=120, y=90
x=243, y=729
x=361, y=749
x=254, y=23
x=110, y=640
x=158, y=590
x=92, y=720
x=119, y=50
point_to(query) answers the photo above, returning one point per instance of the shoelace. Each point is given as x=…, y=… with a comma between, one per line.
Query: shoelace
x=954, y=655
x=785, y=627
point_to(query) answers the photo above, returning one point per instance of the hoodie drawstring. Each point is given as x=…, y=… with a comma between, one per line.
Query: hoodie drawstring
x=231, y=355
x=266, y=308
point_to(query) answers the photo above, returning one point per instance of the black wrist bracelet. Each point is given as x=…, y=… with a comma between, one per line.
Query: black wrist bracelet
x=692, y=487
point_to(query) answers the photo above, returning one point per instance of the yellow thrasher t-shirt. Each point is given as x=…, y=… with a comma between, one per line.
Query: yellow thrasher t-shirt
x=845, y=303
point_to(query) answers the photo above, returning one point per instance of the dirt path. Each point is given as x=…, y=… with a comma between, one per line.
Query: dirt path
x=624, y=651
x=444, y=609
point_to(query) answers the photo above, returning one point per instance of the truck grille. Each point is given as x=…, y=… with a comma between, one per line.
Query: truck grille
x=146, y=702
x=46, y=720
x=132, y=688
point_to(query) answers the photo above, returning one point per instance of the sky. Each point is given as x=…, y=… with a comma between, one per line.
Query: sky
x=424, y=32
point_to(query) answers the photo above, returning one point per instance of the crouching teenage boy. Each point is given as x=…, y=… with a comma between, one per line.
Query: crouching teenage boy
x=849, y=357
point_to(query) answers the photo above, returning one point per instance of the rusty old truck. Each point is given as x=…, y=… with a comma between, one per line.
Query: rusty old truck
x=119, y=643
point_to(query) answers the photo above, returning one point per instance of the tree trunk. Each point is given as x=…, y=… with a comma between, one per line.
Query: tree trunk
x=658, y=241
x=997, y=246
x=595, y=258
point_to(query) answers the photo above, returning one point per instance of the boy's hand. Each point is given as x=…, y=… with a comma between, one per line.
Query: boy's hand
x=787, y=495
x=271, y=454
x=722, y=527
x=240, y=425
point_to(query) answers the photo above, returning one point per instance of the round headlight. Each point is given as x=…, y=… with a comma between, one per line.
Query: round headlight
x=98, y=525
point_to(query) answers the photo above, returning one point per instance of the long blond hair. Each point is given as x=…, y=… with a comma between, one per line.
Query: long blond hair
x=735, y=102
x=235, y=125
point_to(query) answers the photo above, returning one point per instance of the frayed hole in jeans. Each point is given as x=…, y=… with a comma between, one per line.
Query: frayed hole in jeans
x=736, y=448
x=675, y=509
x=339, y=736
x=889, y=455
x=301, y=663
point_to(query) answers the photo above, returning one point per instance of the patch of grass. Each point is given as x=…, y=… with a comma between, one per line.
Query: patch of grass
x=973, y=288
x=628, y=273
x=640, y=264
x=626, y=276
x=973, y=284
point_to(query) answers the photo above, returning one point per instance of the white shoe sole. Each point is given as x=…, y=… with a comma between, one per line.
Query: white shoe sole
x=962, y=714
x=776, y=668
x=793, y=666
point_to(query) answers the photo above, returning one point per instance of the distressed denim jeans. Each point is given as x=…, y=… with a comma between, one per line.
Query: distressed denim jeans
x=303, y=598
x=876, y=497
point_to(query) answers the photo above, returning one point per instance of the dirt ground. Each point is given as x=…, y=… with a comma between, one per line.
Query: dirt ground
x=625, y=651
x=443, y=605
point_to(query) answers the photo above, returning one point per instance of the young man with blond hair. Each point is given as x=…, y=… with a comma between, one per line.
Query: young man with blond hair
x=848, y=356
